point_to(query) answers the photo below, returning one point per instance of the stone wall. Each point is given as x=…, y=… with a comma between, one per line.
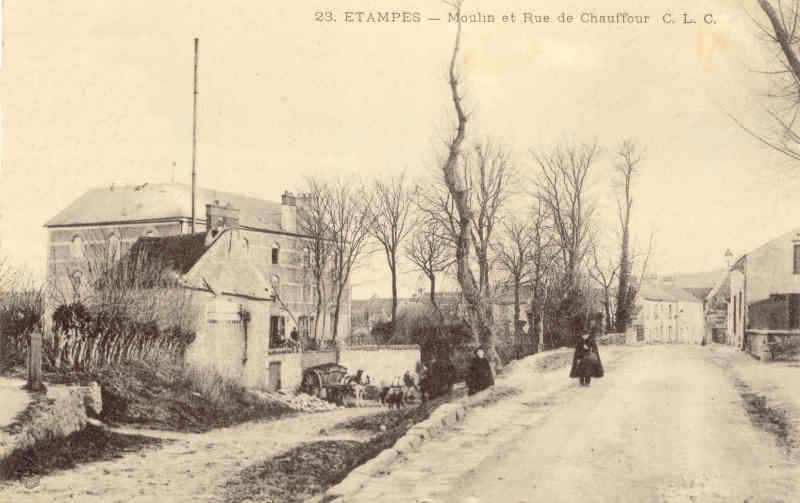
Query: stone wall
x=222, y=344
x=771, y=313
x=57, y=413
x=291, y=370
x=773, y=345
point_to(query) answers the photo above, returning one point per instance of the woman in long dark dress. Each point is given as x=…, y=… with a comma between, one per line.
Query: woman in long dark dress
x=479, y=376
x=586, y=361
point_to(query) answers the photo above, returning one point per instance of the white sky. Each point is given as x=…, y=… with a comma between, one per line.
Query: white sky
x=100, y=91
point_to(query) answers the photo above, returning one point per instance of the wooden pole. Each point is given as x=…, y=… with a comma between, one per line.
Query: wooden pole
x=194, y=135
x=35, y=362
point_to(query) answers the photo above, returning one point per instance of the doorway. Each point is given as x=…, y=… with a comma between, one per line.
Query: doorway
x=274, y=376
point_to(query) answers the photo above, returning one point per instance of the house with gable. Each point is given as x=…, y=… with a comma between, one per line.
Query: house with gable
x=764, y=308
x=246, y=255
x=665, y=313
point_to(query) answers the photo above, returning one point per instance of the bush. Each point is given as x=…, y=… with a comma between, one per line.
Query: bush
x=84, y=338
x=20, y=314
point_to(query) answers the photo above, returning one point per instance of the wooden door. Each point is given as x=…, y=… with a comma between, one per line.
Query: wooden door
x=274, y=376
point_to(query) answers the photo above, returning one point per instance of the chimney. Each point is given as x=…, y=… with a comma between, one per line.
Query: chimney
x=289, y=212
x=219, y=218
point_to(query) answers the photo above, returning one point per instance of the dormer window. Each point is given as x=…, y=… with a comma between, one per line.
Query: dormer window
x=275, y=253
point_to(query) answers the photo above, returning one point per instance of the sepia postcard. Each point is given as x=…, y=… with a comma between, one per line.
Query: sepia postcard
x=421, y=251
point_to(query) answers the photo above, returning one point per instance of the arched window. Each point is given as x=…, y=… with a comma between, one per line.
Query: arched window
x=77, y=247
x=307, y=256
x=276, y=249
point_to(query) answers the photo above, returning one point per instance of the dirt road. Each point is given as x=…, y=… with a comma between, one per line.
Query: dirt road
x=666, y=424
x=190, y=469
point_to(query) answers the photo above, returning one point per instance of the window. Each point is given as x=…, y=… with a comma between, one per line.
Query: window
x=275, y=253
x=277, y=331
x=77, y=247
x=307, y=256
x=797, y=258
x=794, y=310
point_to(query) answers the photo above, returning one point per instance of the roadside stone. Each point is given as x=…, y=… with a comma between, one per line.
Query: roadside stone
x=93, y=398
x=383, y=460
x=349, y=486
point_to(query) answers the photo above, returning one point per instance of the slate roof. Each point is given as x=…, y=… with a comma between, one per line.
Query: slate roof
x=184, y=254
x=162, y=201
x=665, y=292
x=178, y=253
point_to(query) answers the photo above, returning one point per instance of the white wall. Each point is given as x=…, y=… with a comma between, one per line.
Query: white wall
x=381, y=363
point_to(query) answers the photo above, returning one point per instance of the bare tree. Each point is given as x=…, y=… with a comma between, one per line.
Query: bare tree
x=514, y=252
x=562, y=187
x=603, y=273
x=349, y=221
x=643, y=273
x=490, y=176
x=783, y=100
x=543, y=272
x=477, y=301
x=312, y=213
x=391, y=224
x=429, y=250
x=630, y=156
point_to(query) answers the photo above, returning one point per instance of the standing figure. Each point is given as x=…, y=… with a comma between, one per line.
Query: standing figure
x=479, y=375
x=586, y=360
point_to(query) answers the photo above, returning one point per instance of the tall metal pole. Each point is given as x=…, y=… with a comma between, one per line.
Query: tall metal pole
x=194, y=135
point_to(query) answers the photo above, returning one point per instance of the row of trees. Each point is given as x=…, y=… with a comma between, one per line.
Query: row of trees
x=477, y=218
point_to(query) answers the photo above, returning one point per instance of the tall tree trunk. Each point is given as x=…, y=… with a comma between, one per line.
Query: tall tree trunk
x=394, y=297
x=516, y=306
x=336, y=310
x=457, y=188
x=623, y=307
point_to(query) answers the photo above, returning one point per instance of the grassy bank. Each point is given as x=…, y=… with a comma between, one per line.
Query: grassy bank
x=168, y=396
x=312, y=468
x=90, y=444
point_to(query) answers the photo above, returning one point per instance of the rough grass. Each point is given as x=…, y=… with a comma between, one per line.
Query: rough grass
x=90, y=444
x=169, y=397
x=771, y=420
x=554, y=361
x=312, y=468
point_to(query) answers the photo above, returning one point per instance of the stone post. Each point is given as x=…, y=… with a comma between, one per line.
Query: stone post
x=35, y=362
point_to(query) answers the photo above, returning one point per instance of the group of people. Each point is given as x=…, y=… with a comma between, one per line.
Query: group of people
x=441, y=376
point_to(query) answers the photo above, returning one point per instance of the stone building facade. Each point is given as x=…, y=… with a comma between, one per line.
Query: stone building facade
x=764, y=308
x=245, y=255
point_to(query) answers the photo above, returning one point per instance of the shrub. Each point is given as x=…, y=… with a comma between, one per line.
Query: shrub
x=20, y=314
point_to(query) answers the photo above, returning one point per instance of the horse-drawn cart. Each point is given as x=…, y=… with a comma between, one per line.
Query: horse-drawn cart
x=326, y=381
